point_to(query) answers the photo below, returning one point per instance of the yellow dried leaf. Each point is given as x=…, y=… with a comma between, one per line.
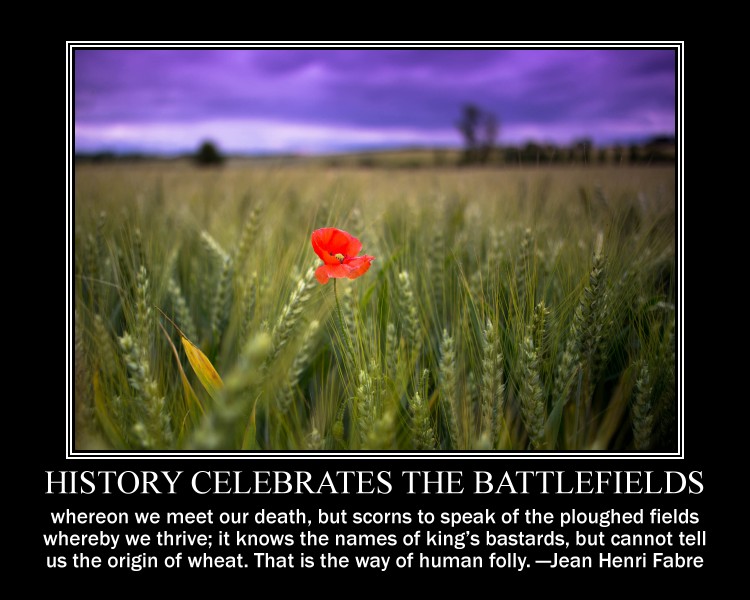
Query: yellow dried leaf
x=190, y=397
x=203, y=368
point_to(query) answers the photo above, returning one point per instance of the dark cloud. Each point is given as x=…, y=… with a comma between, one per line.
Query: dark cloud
x=565, y=92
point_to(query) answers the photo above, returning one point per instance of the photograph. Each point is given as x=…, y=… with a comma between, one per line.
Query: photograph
x=375, y=250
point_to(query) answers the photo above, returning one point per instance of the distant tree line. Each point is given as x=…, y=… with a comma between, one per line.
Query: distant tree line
x=207, y=155
x=480, y=130
x=656, y=151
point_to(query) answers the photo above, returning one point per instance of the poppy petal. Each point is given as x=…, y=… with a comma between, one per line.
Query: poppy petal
x=329, y=241
x=321, y=274
x=353, y=246
x=338, y=241
x=358, y=266
x=324, y=272
x=320, y=239
x=338, y=270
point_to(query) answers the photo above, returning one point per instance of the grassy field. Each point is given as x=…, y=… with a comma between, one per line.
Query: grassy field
x=506, y=309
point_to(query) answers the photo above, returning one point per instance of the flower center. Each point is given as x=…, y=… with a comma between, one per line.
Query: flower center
x=339, y=257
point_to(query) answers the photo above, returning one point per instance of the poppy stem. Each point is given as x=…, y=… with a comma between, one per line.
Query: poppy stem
x=342, y=326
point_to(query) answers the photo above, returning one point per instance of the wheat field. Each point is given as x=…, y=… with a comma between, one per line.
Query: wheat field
x=506, y=309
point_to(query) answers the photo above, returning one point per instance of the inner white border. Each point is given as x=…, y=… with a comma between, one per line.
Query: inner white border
x=71, y=453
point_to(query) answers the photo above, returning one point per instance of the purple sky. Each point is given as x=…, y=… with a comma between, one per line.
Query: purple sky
x=318, y=100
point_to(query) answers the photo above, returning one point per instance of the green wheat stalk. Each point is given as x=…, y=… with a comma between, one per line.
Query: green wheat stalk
x=492, y=387
x=531, y=393
x=448, y=389
x=642, y=409
x=422, y=431
x=291, y=314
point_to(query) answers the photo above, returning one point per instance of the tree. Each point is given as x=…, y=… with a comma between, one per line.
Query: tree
x=468, y=126
x=208, y=155
x=480, y=130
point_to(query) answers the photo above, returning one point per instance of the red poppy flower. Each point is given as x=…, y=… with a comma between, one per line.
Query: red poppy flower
x=338, y=250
